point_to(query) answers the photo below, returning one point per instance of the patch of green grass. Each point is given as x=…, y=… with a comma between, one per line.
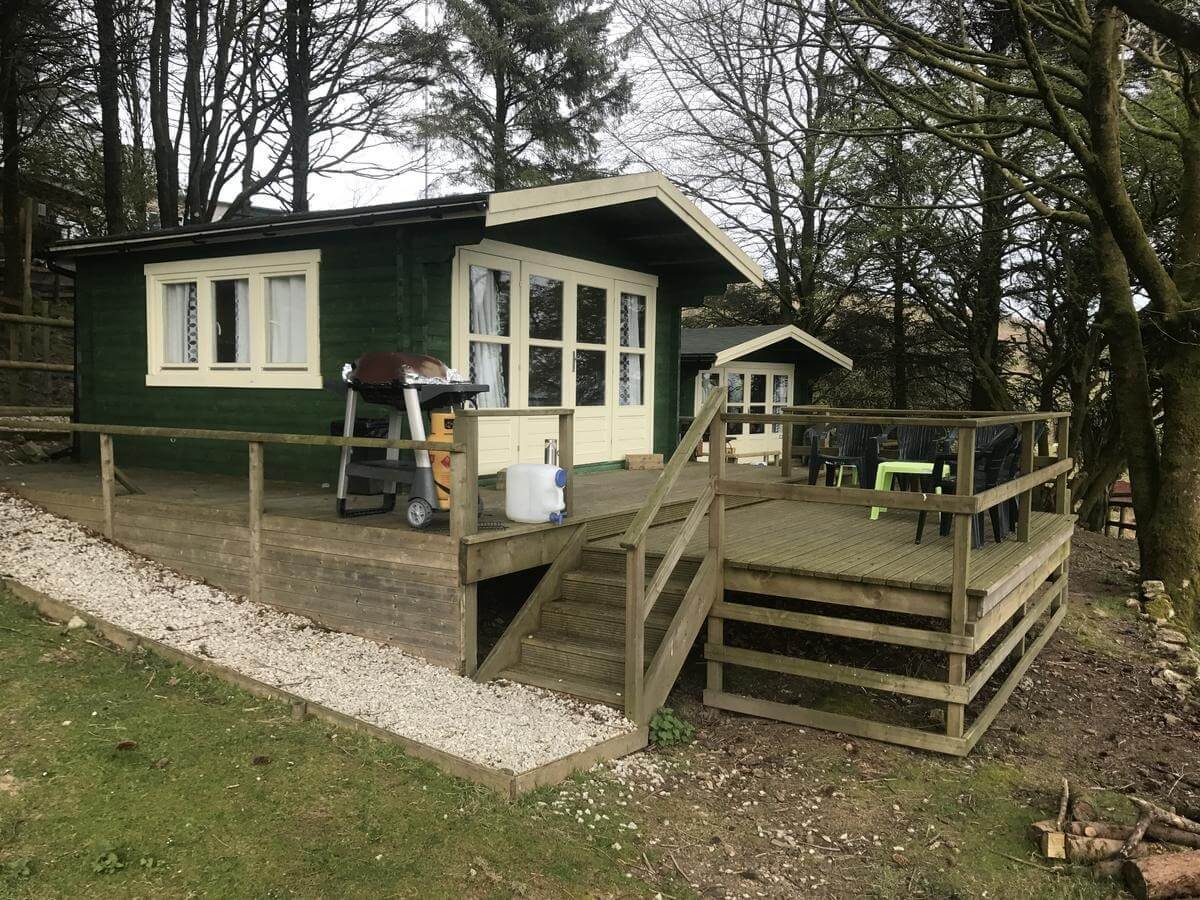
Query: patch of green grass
x=220, y=794
x=969, y=824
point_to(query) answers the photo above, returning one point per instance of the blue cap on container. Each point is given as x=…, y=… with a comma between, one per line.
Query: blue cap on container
x=556, y=518
x=560, y=478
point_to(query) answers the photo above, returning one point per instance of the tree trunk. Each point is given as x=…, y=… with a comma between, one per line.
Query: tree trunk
x=299, y=22
x=166, y=159
x=108, y=93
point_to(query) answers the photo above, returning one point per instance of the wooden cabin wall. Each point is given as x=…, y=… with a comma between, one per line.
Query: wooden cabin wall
x=380, y=289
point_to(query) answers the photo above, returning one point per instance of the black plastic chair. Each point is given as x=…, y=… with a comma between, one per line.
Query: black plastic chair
x=855, y=445
x=995, y=463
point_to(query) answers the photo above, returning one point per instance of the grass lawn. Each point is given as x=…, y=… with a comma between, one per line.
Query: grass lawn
x=223, y=795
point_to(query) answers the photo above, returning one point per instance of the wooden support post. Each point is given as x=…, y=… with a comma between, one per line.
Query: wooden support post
x=785, y=459
x=566, y=457
x=716, y=543
x=635, y=633
x=464, y=479
x=469, y=628
x=961, y=577
x=1025, y=499
x=254, y=520
x=1062, y=493
x=107, y=481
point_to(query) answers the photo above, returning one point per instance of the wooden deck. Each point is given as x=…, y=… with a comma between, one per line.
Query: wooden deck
x=376, y=577
x=841, y=543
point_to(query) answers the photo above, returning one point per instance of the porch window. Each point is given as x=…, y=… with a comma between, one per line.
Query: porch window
x=737, y=395
x=490, y=302
x=633, y=352
x=243, y=321
x=780, y=397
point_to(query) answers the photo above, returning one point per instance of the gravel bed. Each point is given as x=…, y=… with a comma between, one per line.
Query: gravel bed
x=510, y=727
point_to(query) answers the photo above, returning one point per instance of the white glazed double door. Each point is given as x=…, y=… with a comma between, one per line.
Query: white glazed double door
x=545, y=330
x=751, y=388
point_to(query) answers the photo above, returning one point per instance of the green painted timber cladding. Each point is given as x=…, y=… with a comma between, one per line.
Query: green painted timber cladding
x=384, y=288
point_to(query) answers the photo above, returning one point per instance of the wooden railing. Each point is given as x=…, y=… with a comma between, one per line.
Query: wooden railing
x=647, y=687
x=466, y=433
x=110, y=475
x=962, y=505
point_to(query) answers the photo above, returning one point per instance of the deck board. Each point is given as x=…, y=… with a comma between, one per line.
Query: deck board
x=841, y=542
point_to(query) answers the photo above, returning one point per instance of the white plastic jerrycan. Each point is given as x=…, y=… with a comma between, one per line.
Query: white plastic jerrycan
x=533, y=493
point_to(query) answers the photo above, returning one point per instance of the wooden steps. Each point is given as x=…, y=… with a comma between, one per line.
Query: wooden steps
x=578, y=646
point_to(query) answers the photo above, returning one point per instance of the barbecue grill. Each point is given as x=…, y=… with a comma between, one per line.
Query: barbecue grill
x=410, y=385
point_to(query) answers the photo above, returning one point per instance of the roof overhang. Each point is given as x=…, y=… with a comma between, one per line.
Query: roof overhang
x=783, y=333
x=256, y=227
x=509, y=207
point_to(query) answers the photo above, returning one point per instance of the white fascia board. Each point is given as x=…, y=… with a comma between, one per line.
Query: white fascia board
x=783, y=333
x=534, y=203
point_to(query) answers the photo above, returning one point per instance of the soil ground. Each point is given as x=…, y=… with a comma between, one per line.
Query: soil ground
x=760, y=809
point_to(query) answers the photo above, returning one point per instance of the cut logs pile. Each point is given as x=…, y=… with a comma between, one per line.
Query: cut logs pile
x=1158, y=855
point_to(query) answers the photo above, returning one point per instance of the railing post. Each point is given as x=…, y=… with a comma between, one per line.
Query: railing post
x=1025, y=500
x=566, y=457
x=961, y=576
x=254, y=520
x=464, y=478
x=1062, y=493
x=785, y=461
x=716, y=540
x=107, y=479
x=1062, y=501
x=635, y=632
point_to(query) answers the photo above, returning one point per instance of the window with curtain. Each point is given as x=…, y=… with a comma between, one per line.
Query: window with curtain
x=490, y=301
x=633, y=343
x=287, y=322
x=240, y=321
x=180, y=329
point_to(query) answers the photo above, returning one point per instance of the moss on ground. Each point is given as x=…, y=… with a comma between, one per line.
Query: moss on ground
x=223, y=795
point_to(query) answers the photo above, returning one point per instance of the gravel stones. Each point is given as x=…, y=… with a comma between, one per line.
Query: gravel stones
x=504, y=726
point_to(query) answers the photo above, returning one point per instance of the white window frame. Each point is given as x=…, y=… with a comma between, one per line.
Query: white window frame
x=257, y=372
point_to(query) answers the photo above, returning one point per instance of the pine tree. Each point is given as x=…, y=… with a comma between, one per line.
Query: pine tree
x=524, y=85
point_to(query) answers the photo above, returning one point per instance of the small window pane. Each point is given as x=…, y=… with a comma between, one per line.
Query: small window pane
x=591, y=315
x=630, y=387
x=758, y=388
x=180, y=335
x=491, y=292
x=231, y=318
x=737, y=387
x=545, y=376
x=779, y=395
x=733, y=427
x=287, y=320
x=757, y=427
x=545, y=308
x=633, y=320
x=489, y=365
x=589, y=377
x=709, y=382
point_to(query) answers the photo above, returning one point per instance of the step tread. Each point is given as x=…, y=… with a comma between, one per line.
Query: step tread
x=566, y=643
x=588, y=688
x=676, y=584
x=607, y=612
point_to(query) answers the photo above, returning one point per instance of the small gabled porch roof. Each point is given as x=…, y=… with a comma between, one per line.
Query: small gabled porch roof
x=714, y=347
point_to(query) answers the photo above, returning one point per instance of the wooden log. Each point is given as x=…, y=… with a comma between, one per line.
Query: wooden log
x=1164, y=876
x=1156, y=832
x=1165, y=816
x=106, y=482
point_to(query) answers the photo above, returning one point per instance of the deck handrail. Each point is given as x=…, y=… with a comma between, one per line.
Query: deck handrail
x=254, y=437
x=962, y=505
x=672, y=470
x=646, y=688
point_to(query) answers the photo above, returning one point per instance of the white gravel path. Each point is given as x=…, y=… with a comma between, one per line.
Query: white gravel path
x=510, y=727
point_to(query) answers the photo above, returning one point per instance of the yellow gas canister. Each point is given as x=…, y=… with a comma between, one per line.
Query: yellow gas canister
x=441, y=428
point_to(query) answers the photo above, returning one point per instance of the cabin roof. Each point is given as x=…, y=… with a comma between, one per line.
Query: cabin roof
x=720, y=346
x=642, y=213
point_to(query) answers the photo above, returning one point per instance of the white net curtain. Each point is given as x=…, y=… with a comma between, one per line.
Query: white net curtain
x=287, y=320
